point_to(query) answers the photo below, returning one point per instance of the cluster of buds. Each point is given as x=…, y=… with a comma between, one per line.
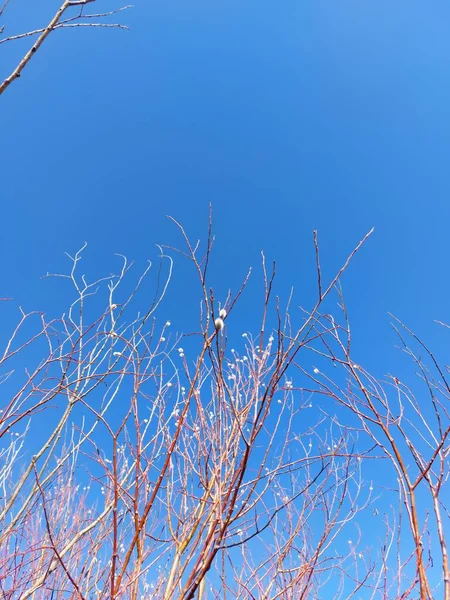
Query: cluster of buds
x=219, y=323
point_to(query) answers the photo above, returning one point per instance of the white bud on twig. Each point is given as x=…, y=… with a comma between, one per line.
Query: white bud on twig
x=222, y=313
x=219, y=324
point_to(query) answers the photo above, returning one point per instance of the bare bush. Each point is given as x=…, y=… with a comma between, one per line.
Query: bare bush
x=136, y=467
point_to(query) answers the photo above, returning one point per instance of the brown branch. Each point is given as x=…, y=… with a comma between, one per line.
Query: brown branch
x=26, y=59
x=2, y=9
x=19, y=36
x=117, y=25
x=52, y=542
x=319, y=276
x=55, y=23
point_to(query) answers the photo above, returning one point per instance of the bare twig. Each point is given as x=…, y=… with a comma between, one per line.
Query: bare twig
x=55, y=23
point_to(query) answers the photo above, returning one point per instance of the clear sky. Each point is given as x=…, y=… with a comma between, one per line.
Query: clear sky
x=287, y=116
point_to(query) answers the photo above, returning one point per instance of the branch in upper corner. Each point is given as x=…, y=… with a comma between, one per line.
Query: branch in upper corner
x=118, y=25
x=4, y=5
x=70, y=23
x=55, y=23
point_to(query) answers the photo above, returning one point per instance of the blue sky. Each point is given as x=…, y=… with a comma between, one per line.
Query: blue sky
x=287, y=117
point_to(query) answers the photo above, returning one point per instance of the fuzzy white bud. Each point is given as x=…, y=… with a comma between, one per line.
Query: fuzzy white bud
x=219, y=324
x=223, y=313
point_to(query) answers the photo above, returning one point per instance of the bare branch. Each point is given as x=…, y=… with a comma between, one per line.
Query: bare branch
x=56, y=23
